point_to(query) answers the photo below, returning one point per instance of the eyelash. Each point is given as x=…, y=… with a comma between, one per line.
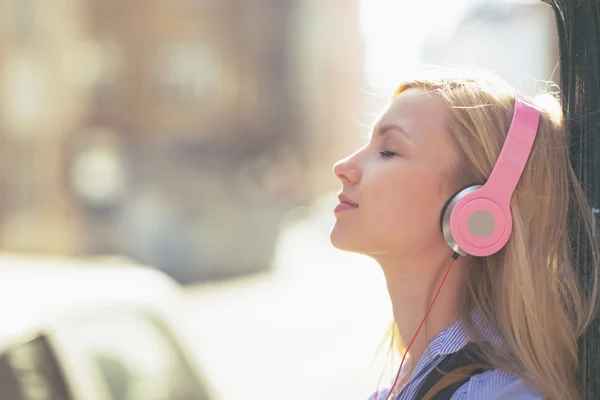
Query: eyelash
x=387, y=154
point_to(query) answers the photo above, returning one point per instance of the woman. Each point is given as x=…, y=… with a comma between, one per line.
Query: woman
x=516, y=309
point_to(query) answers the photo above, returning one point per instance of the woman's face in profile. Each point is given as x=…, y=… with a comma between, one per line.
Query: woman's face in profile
x=396, y=185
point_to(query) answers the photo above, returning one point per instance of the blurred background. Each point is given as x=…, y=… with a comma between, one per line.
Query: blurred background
x=196, y=137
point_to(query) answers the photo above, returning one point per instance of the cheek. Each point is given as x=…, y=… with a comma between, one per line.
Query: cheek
x=401, y=210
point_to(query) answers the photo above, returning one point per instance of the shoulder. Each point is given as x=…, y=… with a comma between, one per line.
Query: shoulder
x=496, y=385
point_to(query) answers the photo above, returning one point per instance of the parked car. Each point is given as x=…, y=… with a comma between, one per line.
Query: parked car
x=74, y=330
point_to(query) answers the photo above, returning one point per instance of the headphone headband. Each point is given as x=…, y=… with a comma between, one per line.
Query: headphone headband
x=515, y=151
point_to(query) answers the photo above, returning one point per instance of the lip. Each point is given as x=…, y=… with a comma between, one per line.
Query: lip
x=345, y=204
x=344, y=207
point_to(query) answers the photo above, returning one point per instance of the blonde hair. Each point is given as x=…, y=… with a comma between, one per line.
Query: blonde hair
x=529, y=291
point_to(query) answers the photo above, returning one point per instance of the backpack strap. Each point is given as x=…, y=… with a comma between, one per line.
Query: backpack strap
x=451, y=373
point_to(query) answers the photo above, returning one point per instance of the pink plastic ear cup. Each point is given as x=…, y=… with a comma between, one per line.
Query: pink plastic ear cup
x=480, y=221
x=500, y=229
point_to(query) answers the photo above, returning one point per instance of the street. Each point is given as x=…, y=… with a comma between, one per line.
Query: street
x=307, y=330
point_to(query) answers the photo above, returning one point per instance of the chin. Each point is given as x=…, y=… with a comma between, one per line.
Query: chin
x=343, y=240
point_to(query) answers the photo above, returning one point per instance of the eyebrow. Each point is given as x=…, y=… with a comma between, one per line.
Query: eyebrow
x=383, y=130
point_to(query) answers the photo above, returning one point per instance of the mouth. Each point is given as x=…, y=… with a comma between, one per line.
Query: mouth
x=345, y=204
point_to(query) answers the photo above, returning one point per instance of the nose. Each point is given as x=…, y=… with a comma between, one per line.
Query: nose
x=346, y=171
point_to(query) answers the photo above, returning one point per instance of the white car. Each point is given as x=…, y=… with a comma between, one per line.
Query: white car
x=74, y=330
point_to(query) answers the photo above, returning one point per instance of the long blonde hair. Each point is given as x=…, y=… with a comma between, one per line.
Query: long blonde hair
x=529, y=291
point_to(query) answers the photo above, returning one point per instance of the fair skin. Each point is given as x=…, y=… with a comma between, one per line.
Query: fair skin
x=397, y=185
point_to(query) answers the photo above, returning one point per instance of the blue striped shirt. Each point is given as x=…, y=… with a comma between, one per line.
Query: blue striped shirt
x=489, y=385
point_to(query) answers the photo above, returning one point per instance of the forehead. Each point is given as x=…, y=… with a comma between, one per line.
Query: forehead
x=421, y=114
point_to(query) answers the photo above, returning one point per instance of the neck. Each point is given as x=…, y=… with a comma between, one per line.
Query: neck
x=412, y=284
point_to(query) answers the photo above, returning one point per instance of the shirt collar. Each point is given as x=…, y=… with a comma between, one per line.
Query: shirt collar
x=454, y=338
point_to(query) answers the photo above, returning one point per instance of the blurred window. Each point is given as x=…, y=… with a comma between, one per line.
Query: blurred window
x=133, y=357
x=189, y=71
x=21, y=18
x=29, y=371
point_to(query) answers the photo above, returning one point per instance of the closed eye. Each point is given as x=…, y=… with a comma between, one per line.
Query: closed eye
x=387, y=154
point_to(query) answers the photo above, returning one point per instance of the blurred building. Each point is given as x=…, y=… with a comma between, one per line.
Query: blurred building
x=175, y=132
x=41, y=99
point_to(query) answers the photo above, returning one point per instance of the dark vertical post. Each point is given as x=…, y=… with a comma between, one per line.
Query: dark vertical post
x=578, y=23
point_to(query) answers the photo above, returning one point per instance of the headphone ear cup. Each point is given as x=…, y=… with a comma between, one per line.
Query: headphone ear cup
x=446, y=213
x=445, y=209
x=446, y=205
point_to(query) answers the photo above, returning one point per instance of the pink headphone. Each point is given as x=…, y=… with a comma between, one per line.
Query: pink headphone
x=477, y=220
